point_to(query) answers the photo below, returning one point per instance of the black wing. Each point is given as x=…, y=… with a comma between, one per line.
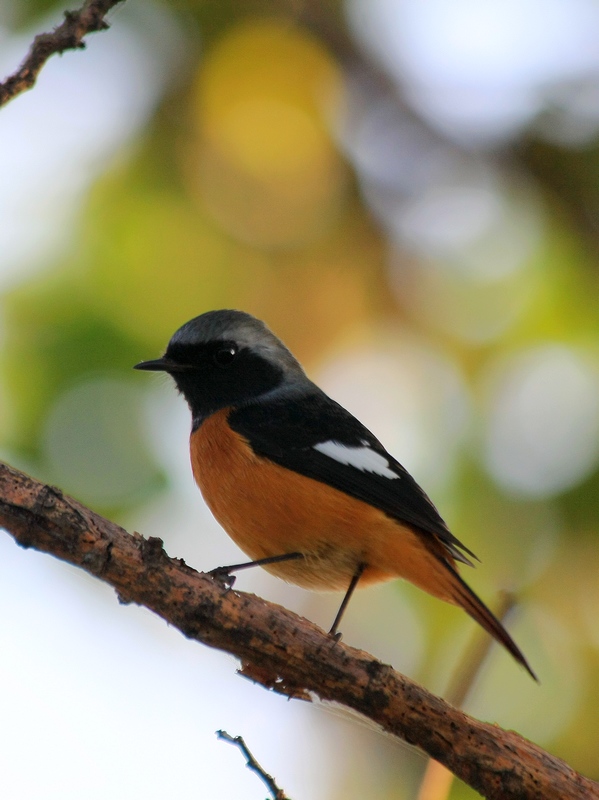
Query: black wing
x=286, y=431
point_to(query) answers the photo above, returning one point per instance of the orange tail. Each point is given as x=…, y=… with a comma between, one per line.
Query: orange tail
x=463, y=596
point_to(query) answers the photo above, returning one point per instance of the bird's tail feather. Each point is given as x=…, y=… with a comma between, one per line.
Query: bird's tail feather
x=464, y=596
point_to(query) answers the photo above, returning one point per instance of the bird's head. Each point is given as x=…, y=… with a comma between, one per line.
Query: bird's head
x=226, y=358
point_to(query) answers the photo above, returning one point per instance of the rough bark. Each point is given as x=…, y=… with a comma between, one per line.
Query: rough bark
x=280, y=649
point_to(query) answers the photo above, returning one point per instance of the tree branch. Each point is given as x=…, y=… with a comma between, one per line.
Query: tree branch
x=281, y=650
x=67, y=36
x=251, y=763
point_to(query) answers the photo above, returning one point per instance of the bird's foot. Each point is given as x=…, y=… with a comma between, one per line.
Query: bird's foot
x=223, y=576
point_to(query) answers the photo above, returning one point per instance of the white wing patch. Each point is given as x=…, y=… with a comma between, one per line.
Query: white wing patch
x=362, y=458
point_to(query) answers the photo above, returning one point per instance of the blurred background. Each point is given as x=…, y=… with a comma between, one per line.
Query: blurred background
x=407, y=191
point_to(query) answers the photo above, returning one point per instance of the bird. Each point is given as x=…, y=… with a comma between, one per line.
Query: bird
x=302, y=487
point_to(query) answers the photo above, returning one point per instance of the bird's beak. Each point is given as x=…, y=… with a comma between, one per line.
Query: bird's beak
x=163, y=365
x=158, y=365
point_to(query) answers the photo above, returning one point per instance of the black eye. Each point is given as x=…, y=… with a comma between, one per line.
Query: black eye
x=224, y=355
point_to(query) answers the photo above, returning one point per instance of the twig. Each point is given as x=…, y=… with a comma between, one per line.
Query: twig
x=437, y=779
x=278, y=794
x=284, y=651
x=467, y=672
x=67, y=36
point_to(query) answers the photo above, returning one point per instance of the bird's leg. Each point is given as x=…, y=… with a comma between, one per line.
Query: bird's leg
x=224, y=574
x=350, y=590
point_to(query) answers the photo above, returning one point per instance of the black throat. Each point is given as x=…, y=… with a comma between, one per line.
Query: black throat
x=209, y=386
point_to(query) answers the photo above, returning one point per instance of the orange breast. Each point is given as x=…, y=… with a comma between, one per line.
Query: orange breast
x=269, y=510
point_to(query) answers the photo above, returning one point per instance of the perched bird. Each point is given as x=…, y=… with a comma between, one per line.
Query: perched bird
x=299, y=483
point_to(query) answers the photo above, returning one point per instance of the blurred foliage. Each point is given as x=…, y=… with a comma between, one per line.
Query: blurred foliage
x=241, y=192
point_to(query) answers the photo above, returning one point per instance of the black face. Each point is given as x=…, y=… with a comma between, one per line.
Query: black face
x=216, y=375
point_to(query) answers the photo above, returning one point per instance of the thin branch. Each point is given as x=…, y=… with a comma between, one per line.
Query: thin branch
x=472, y=662
x=283, y=651
x=67, y=36
x=251, y=763
x=437, y=779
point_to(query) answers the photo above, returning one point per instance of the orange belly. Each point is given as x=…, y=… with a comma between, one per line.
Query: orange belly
x=269, y=510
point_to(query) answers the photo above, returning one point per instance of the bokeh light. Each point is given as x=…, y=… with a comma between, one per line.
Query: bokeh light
x=264, y=163
x=542, y=434
x=480, y=71
x=50, y=155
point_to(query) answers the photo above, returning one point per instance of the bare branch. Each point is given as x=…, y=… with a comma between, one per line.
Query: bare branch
x=437, y=779
x=251, y=763
x=281, y=650
x=67, y=36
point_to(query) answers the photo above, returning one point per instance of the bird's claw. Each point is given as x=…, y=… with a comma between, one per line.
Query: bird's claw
x=223, y=576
